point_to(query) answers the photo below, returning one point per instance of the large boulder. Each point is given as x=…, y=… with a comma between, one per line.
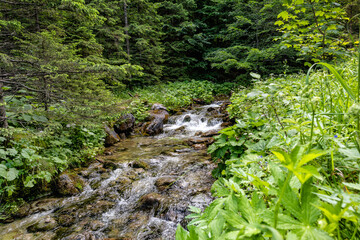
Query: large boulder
x=125, y=125
x=68, y=184
x=156, y=126
x=158, y=115
x=111, y=136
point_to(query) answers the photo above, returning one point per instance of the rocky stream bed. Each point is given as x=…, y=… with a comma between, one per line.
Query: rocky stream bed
x=140, y=188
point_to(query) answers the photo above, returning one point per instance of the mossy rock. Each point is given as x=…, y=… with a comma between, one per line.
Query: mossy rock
x=69, y=184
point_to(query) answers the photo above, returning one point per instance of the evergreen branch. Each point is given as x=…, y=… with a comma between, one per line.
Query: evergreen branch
x=17, y=3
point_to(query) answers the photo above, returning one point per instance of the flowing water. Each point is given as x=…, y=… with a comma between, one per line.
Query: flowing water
x=145, y=195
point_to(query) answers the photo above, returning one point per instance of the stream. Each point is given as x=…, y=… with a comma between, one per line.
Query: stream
x=144, y=194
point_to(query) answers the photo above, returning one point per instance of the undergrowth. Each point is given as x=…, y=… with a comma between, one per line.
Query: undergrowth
x=174, y=95
x=289, y=168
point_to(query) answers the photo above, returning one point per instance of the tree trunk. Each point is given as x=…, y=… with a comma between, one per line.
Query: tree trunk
x=127, y=30
x=3, y=120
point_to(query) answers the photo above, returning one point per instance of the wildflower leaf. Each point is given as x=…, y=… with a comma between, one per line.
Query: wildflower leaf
x=353, y=185
x=350, y=152
x=311, y=156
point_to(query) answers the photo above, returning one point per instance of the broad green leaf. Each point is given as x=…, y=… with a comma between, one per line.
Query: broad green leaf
x=311, y=156
x=352, y=153
x=216, y=226
x=194, y=209
x=291, y=202
x=12, y=151
x=310, y=214
x=312, y=233
x=282, y=156
x=291, y=236
x=234, y=220
x=275, y=234
x=26, y=117
x=353, y=185
x=255, y=75
x=12, y=174
x=181, y=234
x=29, y=182
x=3, y=171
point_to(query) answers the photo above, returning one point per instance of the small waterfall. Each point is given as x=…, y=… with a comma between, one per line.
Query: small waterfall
x=190, y=122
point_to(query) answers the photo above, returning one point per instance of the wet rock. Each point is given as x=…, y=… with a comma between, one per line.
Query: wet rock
x=66, y=220
x=69, y=184
x=23, y=211
x=210, y=133
x=155, y=127
x=150, y=200
x=180, y=129
x=199, y=133
x=187, y=118
x=161, y=114
x=200, y=140
x=111, y=136
x=198, y=101
x=163, y=183
x=211, y=109
x=226, y=124
x=110, y=165
x=81, y=236
x=140, y=164
x=223, y=106
x=43, y=205
x=125, y=125
x=139, y=171
x=158, y=106
x=123, y=135
x=157, y=117
x=99, y=207
x=28, y=236
x=105, y=175
x=96, y=225
x=120, y=184
x=33, y=236
x=199, y=146
x=45, y=224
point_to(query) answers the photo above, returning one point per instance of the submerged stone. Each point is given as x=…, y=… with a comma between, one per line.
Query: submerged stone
x=163, y=183
x=187, y=118
x=150, y=200
x=66, y=220
x=140, y=164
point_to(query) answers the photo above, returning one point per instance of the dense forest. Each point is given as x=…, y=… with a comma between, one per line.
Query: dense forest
x=289, y=166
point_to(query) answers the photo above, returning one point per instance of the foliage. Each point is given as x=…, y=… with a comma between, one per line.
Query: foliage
x=246, y=42
x=181, y=94
x=314, y=28
x=31, y=159
x=289, y=168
